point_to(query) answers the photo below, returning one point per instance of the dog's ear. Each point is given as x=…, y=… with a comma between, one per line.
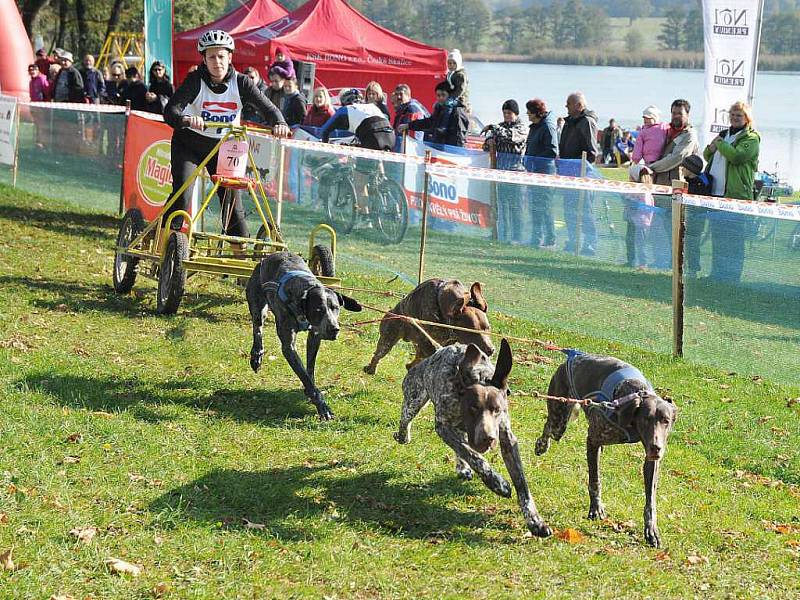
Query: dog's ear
x=452, y=300
x=476, y=298
x=472, y=357
x=504, y=363
x=347, y=303
x=627, y=410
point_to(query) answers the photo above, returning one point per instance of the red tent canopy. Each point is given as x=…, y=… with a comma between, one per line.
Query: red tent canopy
x=250, y=15
x=349, y=50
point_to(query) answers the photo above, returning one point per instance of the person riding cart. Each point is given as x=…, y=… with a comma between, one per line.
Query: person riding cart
x=215, y=93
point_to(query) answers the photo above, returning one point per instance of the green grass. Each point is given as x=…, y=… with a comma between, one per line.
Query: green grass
x=649, y=27
x=180, y=441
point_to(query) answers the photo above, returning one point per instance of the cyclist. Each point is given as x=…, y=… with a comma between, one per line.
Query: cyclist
x=364, y=119
x=214, y=92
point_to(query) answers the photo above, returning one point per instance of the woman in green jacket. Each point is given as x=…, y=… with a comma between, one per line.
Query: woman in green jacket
x=733, y=155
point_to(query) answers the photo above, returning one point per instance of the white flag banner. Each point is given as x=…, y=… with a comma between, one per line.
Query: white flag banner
x=8, y=129
x=732, y=30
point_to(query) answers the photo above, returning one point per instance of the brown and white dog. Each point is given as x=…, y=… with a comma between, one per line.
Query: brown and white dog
x=447, y=302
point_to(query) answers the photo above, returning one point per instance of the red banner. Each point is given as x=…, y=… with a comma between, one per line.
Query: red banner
x=147, y=177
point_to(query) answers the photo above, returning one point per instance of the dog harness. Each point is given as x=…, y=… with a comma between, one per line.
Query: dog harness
x=294, y=308
x=609, y=405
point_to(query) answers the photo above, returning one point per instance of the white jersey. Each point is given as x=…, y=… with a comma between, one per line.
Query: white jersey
x=224, y=108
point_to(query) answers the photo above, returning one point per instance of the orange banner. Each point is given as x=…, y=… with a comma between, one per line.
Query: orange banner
x=147, y=177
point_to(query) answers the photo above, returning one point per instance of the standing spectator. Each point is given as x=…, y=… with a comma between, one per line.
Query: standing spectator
x=457, y=82
x=611, y=135
x=579, y=135
x=94, y=86
x=733, y=155
x=559, y=127
x=638, y=215
x=275, y=91
x=282, y=65
x=116, y=76
x=449, y=122
x=69, y=83
x=321, y=109
x=38, y=86
x=374, y=93
x=541, y=151
x=406, y=110
x=51, y=79
x=698, y=182
x=507, y=139
x=681, y=142
x=160, y=90
x=251, y=112
x=134, y=90
x=294, y=103
x=43, y=62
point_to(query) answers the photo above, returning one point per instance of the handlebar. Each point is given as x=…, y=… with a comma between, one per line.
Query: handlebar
x=233, y=127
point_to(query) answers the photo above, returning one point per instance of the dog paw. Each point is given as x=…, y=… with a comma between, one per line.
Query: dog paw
x=499, y=485
x=256, y=357
x=324, y=412
x=464, y=472
x=542, y=445
x=597, y=511
x=539, y=529
x=369, y=370
x=402, y=437
x=651, y=536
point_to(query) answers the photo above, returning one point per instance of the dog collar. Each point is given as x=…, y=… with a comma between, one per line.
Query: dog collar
x=288, y=276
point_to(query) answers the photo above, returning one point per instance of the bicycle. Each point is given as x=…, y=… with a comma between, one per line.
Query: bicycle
x=387, y=205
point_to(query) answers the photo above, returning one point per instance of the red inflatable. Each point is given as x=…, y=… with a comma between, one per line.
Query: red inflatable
x=15, y=48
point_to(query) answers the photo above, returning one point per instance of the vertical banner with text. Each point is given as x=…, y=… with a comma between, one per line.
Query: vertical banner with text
x=732, y=30
x=8, y=129
x=157, y=34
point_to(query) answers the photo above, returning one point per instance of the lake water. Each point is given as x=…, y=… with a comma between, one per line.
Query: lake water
x=622, y=93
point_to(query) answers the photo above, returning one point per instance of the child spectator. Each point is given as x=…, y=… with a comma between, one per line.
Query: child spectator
x=282, y=64
x=321, y=109
x=651, y=139
x=457, y=82
x=638, y=214
x=449, y=122
x=374, y=94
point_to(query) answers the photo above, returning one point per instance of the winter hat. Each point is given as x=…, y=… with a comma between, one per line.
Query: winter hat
x=67, y=55
x=512, y=106
x=455, y=54
x=693, y=163
x=652, y=112
x=282, y=50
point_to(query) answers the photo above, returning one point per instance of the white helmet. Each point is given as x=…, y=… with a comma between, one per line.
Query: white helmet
x=350, y=96
x=214, y=38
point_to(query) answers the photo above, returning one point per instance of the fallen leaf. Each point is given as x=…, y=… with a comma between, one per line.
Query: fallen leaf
x=793, y=543
x=791, y=402
x=120, y=567
x=724, y=386
x=81, y=351
x=62, y=597
x=783, y=529
x=84, y=534
x=663, y=555
x=695, y=559
x=5, y=560
x=16, y=342
x=160, y=589
x=71, y=460
x=75, y=438
x=3, y=519
x=101, y=413
x=571, y=536
x=764, y=419
x=251, y=525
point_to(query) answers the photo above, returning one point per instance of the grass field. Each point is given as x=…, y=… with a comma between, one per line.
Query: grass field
x=222, y=483
x=649, y=27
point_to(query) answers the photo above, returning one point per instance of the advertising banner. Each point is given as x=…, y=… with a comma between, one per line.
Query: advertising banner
x=8, y=129
x=732, y=30
x=157, y=34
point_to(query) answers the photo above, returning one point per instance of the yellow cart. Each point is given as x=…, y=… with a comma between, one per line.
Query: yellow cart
x=157, y=251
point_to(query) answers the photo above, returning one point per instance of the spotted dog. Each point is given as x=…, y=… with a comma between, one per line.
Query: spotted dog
x=283, y=283
x=628, y=411
x=469, y=398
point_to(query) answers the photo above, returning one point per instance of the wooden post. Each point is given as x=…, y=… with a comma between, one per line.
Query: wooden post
x=281, y=178
x=122, y=180
x=678, y=235
x=15, y=168
x=493, y=198
x=424, y=233
x=581, y=196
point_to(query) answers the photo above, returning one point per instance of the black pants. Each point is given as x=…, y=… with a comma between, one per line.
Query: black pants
x=189, y=149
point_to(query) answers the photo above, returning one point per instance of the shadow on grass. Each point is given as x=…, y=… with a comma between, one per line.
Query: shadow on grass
x=320, y=492
x=94, y=226
x=147, y=401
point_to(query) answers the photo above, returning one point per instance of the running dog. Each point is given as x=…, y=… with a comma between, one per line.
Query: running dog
x=469, y=398
x=441, y=301
x=299, y=301
x=627, y=410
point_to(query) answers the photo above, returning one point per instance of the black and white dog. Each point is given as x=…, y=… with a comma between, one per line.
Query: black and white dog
x=299, y=301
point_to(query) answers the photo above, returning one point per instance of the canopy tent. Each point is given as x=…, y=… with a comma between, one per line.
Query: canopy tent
x=250, y=15
x=348, y=49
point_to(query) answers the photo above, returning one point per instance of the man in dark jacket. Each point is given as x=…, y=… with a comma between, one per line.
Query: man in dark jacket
x=134, y=89
x=579, y=135
x=449, y=122
x=94, y=86
x=68, y=86
x=406, y=109
x=541, y=151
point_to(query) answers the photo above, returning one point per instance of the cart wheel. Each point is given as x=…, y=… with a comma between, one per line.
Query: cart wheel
x=172, y=277
x=126, y=266
x=321, y=261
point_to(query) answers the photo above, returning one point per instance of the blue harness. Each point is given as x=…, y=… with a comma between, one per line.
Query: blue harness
x=609, y=406
x=280, y=289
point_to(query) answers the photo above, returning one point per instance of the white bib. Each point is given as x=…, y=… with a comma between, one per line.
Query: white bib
x=224, y=108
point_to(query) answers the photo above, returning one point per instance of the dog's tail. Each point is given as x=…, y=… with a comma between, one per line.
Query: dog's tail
x=436, y=345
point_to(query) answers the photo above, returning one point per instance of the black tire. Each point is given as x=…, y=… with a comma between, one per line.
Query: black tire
x=126, y=266
x=389, y=210
x=321, y=261
x=340, y=205
x=172, y=276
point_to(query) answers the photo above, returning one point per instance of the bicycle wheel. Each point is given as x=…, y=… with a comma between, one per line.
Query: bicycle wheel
x=389, y=210
x=126, y=266
x=340, y=205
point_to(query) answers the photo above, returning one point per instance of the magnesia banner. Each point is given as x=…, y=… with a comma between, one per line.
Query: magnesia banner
x=157, y=34
x=451, y=197
x=8, y=129
x=731, y=33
